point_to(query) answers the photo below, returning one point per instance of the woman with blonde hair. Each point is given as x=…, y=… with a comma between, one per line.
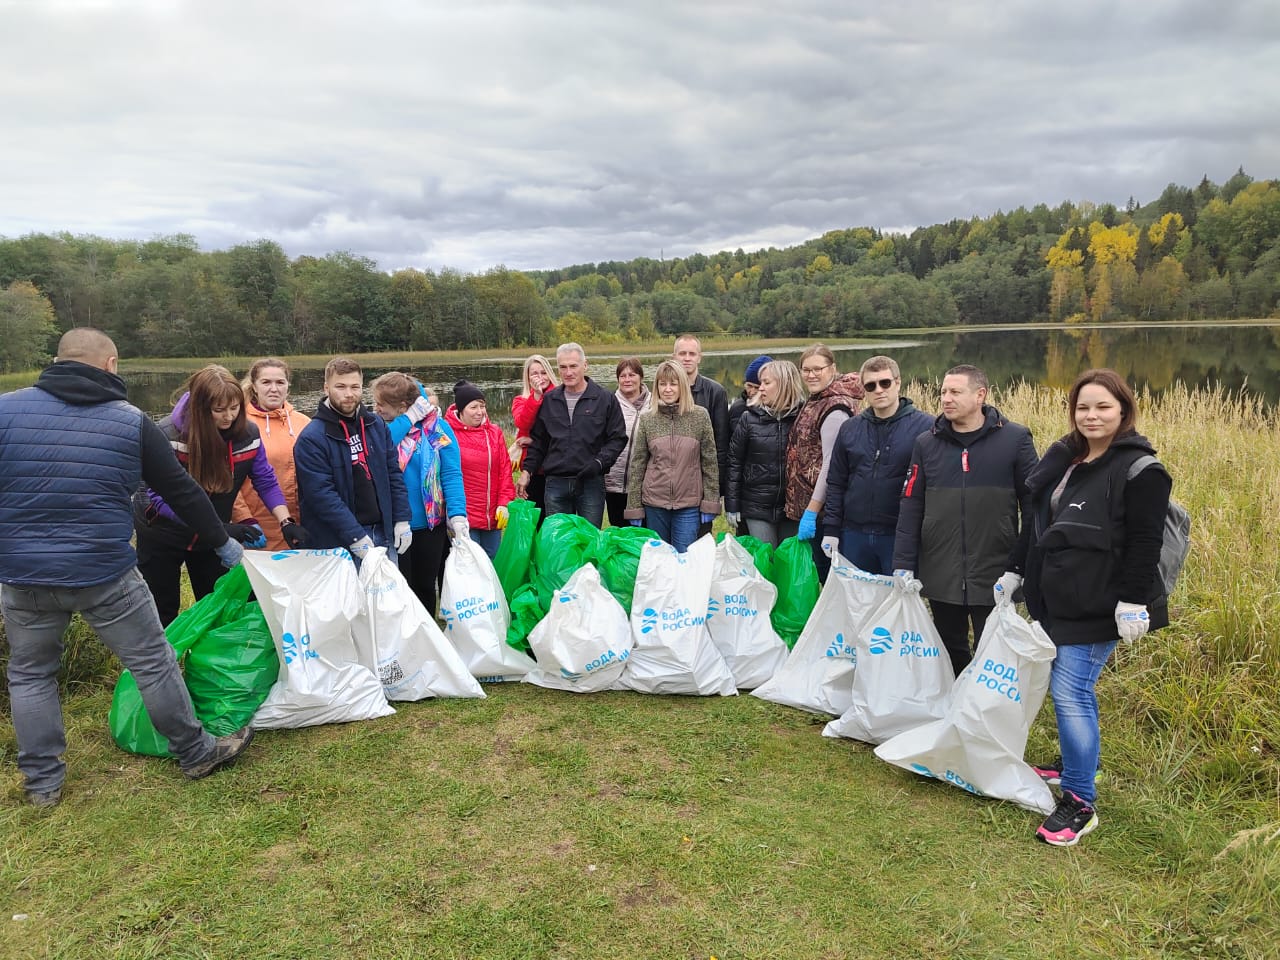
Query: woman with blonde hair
x=832, y=400
x=757, y=487
x=674, y=479
x=537, y=377
x=266, y=388
x=213, y=439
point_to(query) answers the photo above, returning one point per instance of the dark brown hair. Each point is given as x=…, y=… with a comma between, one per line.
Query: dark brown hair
x=629, y=363
x=1115, y=385
x=207, y=459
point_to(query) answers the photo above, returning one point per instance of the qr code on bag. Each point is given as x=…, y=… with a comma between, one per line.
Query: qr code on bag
x=390, y=673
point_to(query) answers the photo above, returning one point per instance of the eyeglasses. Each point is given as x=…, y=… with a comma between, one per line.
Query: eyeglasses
x=874, y=385
x=813, y=371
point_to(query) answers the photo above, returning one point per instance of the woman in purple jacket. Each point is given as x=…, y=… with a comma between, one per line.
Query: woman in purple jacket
x=221, y=449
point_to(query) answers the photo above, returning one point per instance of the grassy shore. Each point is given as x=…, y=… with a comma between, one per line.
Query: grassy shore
x=537, y=824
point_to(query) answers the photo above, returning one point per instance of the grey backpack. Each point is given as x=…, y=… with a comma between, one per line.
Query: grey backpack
x=1177, y=532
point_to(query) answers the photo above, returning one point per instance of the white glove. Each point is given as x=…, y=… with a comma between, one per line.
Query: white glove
x=733, y=519
x=230, y=553
x=830, y=545
x=404, y=536
x=461, y=529
x=1132, y=620
x=418, y=409
x=1006, y=587
x=361, y=547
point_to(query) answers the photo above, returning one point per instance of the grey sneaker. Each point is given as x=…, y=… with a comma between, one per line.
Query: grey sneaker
x=46, y=799
x=225, y=749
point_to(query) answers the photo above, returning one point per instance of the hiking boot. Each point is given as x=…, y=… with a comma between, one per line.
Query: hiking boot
x=225, y=749
x=45, y=799
x=1070, y=821
x=1052, y=774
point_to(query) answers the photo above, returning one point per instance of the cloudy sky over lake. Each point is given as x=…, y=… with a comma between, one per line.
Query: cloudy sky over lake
x=539, y=134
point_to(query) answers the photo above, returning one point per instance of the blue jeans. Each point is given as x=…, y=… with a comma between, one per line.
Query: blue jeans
x=568, y=495
x=124, y=616
x=872, y=552
x=489, y=540
x=678, y=527
x=1075, y=673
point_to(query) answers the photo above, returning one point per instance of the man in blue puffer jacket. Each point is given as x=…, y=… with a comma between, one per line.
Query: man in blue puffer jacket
x=868, y=466
x=72, y=453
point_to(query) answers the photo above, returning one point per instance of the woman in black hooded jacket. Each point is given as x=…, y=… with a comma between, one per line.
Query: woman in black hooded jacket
x=757, y=487
x=1092, y=573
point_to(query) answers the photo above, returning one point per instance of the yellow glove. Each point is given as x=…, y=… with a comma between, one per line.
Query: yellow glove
x=501, y=518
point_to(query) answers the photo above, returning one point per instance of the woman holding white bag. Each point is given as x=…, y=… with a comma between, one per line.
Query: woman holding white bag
x=1091, y=567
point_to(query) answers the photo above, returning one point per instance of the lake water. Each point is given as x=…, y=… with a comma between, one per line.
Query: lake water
x=1155, y=357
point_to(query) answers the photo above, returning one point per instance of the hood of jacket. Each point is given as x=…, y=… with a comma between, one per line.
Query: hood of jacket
x=993, y=419
x=332, y=421
x=282, y=416
x=1060, y=455
x=905, y=409
x=81, y=384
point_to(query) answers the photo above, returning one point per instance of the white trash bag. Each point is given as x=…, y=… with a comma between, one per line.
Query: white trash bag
x=410, y=655
x=310, y=598
x=818, y=674
x=978, y=745
x=476, y=615
x=584, y=642
x=738, y=616
x=674, y=652
x=903, y=674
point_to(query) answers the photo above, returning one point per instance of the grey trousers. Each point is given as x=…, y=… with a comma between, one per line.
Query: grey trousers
x=772, y=533
x=124, y=617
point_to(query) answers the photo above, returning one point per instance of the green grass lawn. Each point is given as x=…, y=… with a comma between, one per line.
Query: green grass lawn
x=544, y=824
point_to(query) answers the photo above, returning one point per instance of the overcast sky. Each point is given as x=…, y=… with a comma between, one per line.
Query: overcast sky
x=539, y=134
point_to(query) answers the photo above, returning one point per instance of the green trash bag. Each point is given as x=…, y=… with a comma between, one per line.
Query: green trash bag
x=248, y=652
x=618, y=552
x=515, y=553
x=794, y=574
x=761, y=552
x=565, y=543
x=526, y=611
x=230, y=671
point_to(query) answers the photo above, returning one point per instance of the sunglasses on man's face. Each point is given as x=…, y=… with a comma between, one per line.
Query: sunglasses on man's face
x=874, y=385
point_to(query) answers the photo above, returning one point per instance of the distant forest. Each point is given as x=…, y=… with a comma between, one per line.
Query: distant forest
x=1203, y=252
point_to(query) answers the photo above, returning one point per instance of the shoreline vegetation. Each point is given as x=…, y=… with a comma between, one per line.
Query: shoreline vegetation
x=535, y=824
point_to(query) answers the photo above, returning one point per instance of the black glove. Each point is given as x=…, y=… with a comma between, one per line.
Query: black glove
x=294, y=534
x=249, y=534
x=590, y=471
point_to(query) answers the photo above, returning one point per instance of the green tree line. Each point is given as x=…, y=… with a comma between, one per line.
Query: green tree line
x=1208, y=252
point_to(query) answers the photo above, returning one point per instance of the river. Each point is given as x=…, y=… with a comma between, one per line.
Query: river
x=1235, y=357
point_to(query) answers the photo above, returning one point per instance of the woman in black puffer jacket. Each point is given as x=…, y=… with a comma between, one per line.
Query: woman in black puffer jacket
x=757, y=488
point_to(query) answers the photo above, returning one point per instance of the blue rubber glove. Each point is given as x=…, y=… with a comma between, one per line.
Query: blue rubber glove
x=635, y=523
x=808, y=525
x=248, y=534
x=707, y=517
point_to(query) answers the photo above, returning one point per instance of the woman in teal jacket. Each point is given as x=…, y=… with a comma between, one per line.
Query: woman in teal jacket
x=427, y=452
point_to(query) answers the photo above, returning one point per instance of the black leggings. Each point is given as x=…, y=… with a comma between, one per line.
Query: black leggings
x=952, y=621
x=160, y=561
x=423, y=564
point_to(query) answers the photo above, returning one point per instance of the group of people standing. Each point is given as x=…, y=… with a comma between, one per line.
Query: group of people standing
x=959, y=500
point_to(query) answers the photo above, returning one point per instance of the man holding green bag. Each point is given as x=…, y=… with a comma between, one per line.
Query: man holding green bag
x=72, y=452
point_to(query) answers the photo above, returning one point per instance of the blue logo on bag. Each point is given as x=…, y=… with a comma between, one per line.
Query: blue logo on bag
x=713, y=606
x=921, y=769
x=648, y=620
x=296, y=647
x=881, y=641
x=448, y=617
x=839, y=650
x=285, y=553
x=564, y=596
x=569, y=674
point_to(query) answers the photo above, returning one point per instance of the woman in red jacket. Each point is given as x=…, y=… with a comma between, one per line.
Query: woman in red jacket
x=486, y=465
x=538, y=376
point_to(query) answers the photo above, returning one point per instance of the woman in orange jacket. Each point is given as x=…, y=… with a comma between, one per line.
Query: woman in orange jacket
x=266, y=387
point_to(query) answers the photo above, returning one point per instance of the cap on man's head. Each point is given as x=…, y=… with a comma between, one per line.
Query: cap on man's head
x=753, y=369
x=466, y=393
